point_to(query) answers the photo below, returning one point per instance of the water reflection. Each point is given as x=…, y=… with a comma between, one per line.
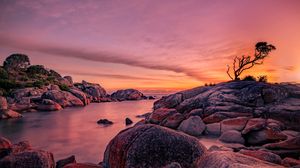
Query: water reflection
x=74, y=130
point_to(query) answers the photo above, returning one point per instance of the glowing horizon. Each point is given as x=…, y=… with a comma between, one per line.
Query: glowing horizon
x=151, y=44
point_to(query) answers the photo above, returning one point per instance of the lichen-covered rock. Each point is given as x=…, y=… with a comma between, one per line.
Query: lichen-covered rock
x=30, y=158
x=262, y=155
x=227, y=159
x=173, y=120
x=158, y=115
x=128, y=94
x=220, y=116
x=152, y=146
x=193, y=126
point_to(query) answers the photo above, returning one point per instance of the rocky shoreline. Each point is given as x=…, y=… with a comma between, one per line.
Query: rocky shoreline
x=257, y=123
x=30, y=88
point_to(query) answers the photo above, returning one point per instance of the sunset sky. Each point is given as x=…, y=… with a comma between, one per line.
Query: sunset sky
x=152, y=44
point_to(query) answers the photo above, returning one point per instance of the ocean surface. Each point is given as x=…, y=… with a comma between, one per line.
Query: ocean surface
x=74, y=131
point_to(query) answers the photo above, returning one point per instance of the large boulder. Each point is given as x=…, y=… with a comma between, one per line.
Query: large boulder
x=173, y=120
x=232, y=136
x=64, y=98
x=30, y=158
x=227, y=159
x=128, y=94
x=48, y=105
x=94, y=91
x=213, y=129
x=16, y=62
x=152, y=146
x=193, y=126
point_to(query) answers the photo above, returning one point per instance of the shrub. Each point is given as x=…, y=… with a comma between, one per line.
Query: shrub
x=249, y=78
x=37, y=69
x=8, y=84
x=3, y=74
x=38, y=83
x=263, y=78
x=64, y=87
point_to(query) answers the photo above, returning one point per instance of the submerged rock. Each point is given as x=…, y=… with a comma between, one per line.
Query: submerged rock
x=104, y=122
x=152, y=146
x=128, y=121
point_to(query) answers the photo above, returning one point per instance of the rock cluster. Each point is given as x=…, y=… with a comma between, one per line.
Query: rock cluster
x=253, y=118
x=28, y=88
x=22, y=155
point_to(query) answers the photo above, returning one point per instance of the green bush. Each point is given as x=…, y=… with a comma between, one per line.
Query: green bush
x=249, y=78
x=3, y=74
x=263, y=78
x=37, y=69
x=64, y=87
x=38, y=84
x=8, y=84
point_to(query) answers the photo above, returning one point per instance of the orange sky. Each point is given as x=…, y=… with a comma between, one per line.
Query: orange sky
x=152, y=44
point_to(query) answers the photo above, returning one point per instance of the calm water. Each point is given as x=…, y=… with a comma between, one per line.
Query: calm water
x=74, y=131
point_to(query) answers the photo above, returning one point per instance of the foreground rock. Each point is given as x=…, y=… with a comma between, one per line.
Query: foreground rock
x=227, y=159
x=128, y=94
x=152, y=146
x=21, y=155
x=262, y=155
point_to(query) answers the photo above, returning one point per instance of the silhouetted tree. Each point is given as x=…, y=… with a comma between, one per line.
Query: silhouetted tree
x=240, y=64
